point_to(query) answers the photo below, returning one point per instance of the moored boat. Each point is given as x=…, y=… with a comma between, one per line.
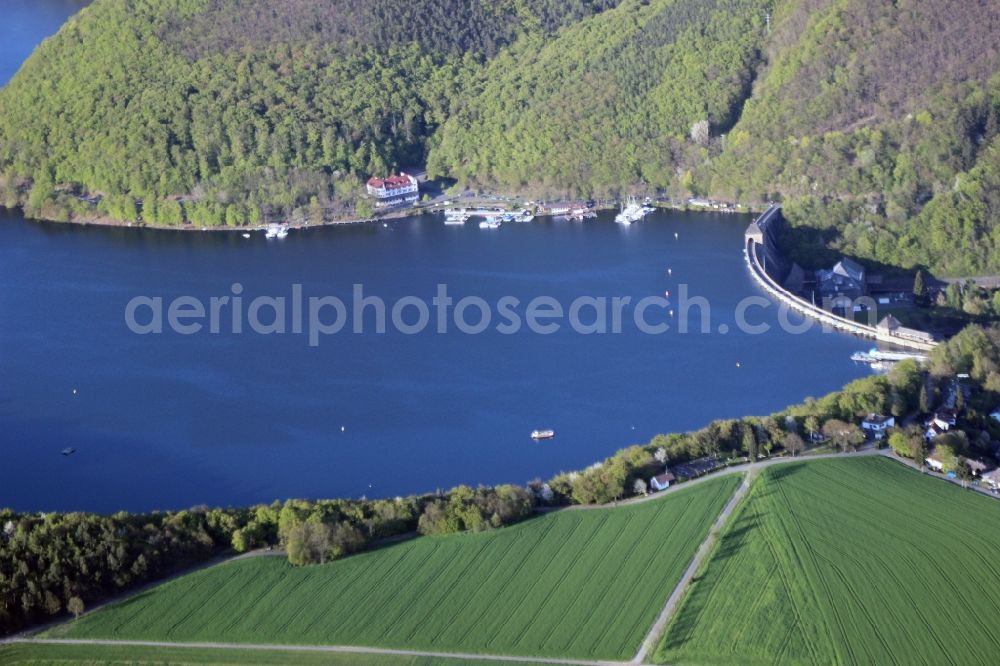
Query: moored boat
x=543, y=434
x=632, y=211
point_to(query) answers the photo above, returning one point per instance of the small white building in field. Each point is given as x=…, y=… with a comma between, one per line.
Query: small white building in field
x=661, y=481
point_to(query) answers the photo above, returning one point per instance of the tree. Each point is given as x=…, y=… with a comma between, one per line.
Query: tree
x=925, y=401
x=639, y=487
x=242, y=540
x=42, y=191
x=812, y=425
x=946, y=454
x=959, y=399
x=843, y=434
x=964, y=472
x=920, y=288
x=899, y=442
x=661, y=455
x=700, y=132
x=793, y=443
x=233, y=217
x=75, y=606
x=308, y=543
x=918, y=451
x=364, y=209
x=749, y=441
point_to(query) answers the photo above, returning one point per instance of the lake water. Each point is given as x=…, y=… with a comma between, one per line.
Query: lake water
x=24, y=23
x=169, y=421
x=174, y=420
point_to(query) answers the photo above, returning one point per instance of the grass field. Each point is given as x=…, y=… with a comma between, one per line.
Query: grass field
x=567, y=584
x=93, y=655
x=857, y=561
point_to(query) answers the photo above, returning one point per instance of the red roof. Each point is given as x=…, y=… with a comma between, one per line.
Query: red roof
x=392, y=181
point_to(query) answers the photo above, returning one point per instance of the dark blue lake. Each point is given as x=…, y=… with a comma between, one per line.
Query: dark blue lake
x=174, y=420
x=168, y=421
x=24, y=23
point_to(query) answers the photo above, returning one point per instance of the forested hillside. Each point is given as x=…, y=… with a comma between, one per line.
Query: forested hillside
x=614, y=102
x=224, y=111
x=874, y=121
x=865, y=112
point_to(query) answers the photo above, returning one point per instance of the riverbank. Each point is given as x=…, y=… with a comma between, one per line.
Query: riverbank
x=438, y=204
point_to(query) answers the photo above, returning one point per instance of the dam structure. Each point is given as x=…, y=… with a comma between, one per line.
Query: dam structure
x=770, y=270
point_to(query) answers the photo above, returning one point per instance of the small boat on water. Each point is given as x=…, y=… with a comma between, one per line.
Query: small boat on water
x=68, y=451
x=456, y=216
x=490, y=223
x=246, y=235
x=543, y=434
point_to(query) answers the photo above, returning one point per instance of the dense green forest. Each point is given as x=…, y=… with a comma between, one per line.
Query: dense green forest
x=610, y=103
x=874, y=122
x=229, y=111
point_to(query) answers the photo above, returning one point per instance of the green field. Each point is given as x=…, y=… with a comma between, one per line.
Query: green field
x=570, y=583
x=92, y=655
x=855, y=561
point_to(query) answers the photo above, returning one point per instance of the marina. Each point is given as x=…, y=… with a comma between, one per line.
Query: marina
x=276, y=231
x=462, y=215
x=632, y=211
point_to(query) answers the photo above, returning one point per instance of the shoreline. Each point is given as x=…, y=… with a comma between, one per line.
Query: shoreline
x=402, y=213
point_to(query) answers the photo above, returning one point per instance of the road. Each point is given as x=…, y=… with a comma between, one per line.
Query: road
x=342, y=649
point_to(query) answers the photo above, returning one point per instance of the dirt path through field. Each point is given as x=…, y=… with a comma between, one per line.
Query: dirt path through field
x=649, y=642
x=344, y=649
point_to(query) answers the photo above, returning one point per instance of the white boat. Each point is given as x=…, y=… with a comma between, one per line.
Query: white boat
x=490, y=223
x=878, y=358
x=632, y=211
x=456, y=216
x=276, y=231
x=246, y=235
x=68, y=451
x=543, y=434
x=524, y=216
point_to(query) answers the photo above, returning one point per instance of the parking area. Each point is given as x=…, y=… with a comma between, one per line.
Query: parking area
x=697, y=467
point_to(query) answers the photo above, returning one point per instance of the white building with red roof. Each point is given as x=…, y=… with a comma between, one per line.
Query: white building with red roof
x=394, y=190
